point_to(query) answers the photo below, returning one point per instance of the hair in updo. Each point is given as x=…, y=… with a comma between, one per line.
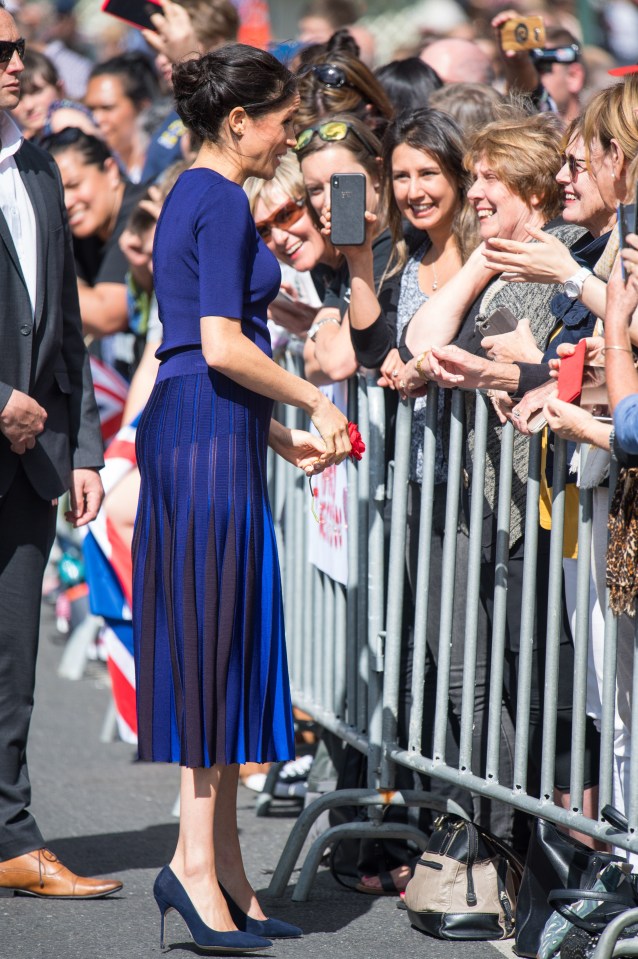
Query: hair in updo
x=208, y=88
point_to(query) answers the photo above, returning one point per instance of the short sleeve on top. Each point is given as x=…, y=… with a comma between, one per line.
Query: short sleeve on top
x=226, y=245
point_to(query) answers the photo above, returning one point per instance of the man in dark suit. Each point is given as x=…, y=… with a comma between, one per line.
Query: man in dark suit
x=49, y=443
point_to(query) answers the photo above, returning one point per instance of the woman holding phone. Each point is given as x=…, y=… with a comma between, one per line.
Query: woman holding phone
x=341, y=145
x=208, y=621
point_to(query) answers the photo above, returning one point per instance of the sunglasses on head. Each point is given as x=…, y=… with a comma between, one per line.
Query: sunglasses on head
x=332, y=131
x=575, y=165
x=330, y=75
x=9, y=47
x=282, y=219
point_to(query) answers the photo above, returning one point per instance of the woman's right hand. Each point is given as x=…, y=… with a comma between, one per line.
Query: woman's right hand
x=173, y=35
x=546, y=260
x=350, y=252
x=333, y=429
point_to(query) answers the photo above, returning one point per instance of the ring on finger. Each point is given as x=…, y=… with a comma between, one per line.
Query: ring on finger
x=515, y=413
x=395, y=372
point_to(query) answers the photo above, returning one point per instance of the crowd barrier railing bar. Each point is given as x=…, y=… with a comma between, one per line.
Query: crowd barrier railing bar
x=345, y=643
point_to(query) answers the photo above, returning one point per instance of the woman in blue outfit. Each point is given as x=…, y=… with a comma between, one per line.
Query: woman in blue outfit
x=212, y=679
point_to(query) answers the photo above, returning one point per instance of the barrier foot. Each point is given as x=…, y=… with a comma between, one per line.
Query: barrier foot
x=109, y=726
x=266, y=796
x=608, y=945
x=347, y=797
x=73, y=659
x=301, y=891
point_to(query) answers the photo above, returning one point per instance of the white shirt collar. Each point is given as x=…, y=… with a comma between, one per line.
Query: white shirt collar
x=10, y=135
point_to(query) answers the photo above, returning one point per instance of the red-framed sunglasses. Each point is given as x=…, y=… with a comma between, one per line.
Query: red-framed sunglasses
x=282, y=218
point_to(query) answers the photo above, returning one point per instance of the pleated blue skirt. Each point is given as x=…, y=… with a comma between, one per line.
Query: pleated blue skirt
x=211, y=669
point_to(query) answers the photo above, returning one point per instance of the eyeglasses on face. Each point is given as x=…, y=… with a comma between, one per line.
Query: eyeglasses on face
x=332, y=131
x=9, y=47
x=282, y=218
x=575, y=165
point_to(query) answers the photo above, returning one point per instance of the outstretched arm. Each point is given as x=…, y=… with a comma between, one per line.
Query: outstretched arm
x=437, y=322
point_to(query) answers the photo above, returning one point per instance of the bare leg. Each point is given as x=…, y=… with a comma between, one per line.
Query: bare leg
x=194, y=861
x=228, y=858
x=590, y=809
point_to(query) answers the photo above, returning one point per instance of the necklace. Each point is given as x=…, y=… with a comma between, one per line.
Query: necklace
x=435, y=282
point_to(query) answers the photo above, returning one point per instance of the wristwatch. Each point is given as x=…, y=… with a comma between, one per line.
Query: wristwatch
x=573, y=286
x=316, y=326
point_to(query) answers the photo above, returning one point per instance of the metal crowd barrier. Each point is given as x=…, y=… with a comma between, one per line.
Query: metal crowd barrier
x=345, y=643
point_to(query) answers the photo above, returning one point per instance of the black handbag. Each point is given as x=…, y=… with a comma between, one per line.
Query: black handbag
x=554, y=861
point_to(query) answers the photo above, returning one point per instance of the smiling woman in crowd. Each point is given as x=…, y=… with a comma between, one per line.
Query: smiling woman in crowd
x=99, y=202
x=119, y=90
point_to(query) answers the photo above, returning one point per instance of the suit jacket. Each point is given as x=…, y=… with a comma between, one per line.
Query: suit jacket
x=46, y=359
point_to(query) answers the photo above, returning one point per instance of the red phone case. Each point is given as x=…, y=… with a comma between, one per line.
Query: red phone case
x=125, y=10
x=570, y=374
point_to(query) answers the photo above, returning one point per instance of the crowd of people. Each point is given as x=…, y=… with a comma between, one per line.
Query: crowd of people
x=152, y=199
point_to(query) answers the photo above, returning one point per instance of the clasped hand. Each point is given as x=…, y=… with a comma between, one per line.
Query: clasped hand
x=21, y=421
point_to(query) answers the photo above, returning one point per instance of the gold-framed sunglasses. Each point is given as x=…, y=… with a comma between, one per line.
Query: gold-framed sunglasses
x=331, y=131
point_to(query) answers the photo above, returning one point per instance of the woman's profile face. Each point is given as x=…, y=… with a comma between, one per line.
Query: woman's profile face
x=266, y=140
x=318, y=168
x=582, y=202
x=299, y=243
x=90, y=194
x=601, y=163
x=425, y=193
x=114, y=112
x=500, y=211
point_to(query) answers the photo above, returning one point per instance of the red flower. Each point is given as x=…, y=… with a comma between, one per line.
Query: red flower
x=358, y=446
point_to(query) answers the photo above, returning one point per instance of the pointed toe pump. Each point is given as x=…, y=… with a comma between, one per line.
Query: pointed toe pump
x=170, y=894
x=271, y=928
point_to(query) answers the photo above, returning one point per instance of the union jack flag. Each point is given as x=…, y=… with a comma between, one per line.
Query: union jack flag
x=109, y=575
x=110, y=394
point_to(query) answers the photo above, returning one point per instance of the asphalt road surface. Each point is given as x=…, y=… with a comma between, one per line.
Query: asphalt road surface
x=105, y=814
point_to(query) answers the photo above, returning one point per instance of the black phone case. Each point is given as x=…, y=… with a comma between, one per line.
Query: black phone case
x=136, y=12
x=348, y=207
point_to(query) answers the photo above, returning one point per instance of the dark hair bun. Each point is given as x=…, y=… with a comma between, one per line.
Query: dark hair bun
x=342, y=41
x=207, y=88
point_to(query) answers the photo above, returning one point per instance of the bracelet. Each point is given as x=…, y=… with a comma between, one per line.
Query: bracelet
x=612, y=444
x=418, y=362
x=316, y=326
x=622, y=349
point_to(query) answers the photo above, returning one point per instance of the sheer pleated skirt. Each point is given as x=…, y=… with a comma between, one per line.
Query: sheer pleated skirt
x=212, y=676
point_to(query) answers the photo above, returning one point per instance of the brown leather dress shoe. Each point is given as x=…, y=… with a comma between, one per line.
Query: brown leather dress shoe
x=40, y=873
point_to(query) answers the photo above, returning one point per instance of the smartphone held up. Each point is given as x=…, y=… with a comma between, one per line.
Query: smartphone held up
x=347, y=209
x=523, y=33
x=137, y=13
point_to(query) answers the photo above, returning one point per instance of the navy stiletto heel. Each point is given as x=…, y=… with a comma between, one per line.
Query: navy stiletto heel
x=170, y=894
x=272, y=928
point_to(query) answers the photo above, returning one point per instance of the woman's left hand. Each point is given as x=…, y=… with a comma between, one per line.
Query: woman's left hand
x=517, y=346
x=545, y=261
x=411, y=383
x=532, y=403
x=392, y=371
x=304, y=450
